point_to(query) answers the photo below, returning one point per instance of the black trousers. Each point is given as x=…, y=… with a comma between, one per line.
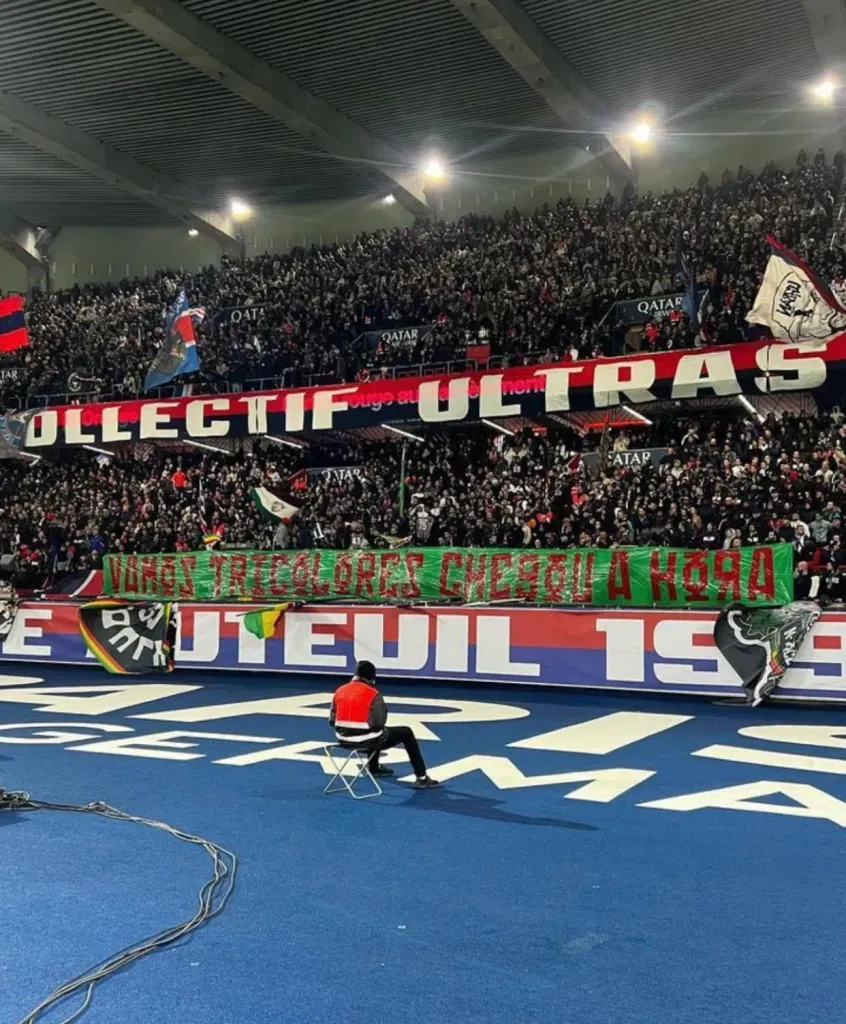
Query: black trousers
x=395, y=736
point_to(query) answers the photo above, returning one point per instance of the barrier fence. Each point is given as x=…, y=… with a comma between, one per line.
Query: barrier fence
x=633, y=577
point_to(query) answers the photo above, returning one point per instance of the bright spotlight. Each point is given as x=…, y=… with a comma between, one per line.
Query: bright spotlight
x=434, y=169
x=193, y=232
x=389, y=200
x=642, y=132
x=825, y=89
x=239, y=209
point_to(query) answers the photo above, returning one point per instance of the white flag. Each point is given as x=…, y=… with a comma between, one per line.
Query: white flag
x=271, y=506
x=794, y=302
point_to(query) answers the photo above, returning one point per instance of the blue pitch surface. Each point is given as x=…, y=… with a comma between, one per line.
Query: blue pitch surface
x=469, y=904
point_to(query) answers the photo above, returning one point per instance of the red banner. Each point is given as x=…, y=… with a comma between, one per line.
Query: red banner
x=753, y=368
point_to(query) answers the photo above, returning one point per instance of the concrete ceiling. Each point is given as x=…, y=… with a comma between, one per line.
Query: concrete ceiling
x=136, y=112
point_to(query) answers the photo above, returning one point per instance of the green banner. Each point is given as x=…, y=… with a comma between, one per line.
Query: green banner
x=633, y=577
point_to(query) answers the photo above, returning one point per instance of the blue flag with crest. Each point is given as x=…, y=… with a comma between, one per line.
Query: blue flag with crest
x=178, y=351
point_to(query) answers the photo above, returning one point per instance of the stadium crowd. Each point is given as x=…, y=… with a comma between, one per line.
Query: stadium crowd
x=533, y=287
x=714, y=483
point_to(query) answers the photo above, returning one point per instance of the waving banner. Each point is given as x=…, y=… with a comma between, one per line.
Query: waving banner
x=130, y=639
x=12, y=434
x=794, y=302
x=753, y=368
x=634, y=577
x=760, y=644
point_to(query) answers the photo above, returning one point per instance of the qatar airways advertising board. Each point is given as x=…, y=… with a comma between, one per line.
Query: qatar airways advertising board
x=660, y=652
x=752, y=368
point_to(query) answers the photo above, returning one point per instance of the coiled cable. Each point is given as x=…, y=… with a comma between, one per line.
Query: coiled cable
x=212, y=899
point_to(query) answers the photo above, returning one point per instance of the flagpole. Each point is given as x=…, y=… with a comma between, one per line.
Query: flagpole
x=402, y=479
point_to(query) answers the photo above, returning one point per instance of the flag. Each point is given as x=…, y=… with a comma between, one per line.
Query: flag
x=178, y=351
x=690, y=302
x=13, y=434
x=271, y=505
x=13, y=332
x=761, y=643
x=9, y=603
x=394, y=542
x=129, y=638
x=212, y=536
x=262, y=623
x=793, y=302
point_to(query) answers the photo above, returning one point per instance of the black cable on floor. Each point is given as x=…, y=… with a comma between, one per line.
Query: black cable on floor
x=212, y=899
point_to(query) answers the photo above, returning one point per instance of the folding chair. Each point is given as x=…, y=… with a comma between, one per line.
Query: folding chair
x=356, y=755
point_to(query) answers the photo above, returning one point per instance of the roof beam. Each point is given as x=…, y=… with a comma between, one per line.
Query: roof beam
x=72, y=146
x=515, y=36
x=20, y=240
x=199, y=44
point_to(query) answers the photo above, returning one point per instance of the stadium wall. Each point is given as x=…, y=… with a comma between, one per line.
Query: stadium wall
x=13, y=275
x=652, y=651
x=750, y=136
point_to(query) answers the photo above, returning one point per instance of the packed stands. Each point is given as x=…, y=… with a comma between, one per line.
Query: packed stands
x=535, y=288
x=719, y=482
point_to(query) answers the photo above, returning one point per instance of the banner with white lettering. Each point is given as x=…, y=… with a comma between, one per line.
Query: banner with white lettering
x=336, y=474
x=638, y=311
x=250, y=314
x=752, y=368
x=620, y=649
x=396, y=337
x=623, y=460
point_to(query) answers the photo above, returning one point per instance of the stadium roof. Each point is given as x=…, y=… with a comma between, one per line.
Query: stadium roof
x=145, y=111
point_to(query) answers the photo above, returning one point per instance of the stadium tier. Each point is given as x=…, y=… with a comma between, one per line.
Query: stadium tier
x=559, y=283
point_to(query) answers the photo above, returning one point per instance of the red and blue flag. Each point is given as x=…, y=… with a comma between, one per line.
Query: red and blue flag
x=13, y=332
x=178, y=352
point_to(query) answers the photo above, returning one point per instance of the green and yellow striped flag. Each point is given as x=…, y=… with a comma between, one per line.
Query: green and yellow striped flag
x=262, y=622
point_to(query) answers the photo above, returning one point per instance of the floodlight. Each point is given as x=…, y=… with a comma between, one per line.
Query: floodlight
x=824, y=89
x=239, y=209
x=641, y=132
x=434, y=168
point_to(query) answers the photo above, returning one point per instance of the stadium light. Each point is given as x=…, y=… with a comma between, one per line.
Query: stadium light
x=642, y=132
x=283, y=441
x=389, y=200
x=434, y=169
x=638, y=415
x=825, y=89
x=239, y=209
x=499, y=427
x=193, y=232
x=402, y=433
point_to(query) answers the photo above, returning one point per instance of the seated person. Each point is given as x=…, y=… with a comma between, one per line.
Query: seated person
x=358, y=717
